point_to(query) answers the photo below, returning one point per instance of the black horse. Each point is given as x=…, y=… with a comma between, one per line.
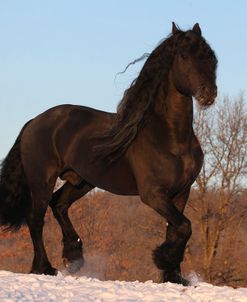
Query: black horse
x=147, y=148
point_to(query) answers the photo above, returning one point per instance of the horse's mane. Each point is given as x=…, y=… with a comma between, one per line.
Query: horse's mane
x=138, y=100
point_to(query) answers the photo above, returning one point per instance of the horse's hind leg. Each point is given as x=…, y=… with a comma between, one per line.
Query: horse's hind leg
x=35, y=222
x=60, y=203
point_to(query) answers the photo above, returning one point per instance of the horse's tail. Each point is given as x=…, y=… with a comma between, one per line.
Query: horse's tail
x=15, y=195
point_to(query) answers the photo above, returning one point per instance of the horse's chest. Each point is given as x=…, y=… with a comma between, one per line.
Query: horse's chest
x=187, y=169
x=189, y=166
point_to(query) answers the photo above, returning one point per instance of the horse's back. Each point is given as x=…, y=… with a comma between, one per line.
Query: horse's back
x=67, y=120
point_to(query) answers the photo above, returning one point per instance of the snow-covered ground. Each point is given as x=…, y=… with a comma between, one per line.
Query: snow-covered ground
x=24, y=287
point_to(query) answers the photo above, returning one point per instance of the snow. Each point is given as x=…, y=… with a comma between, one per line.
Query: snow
x=29, y=287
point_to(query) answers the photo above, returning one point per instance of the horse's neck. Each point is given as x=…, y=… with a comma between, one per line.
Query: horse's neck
x=176, y=112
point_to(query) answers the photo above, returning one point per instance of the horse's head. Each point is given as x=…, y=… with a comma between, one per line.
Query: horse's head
x=194, y=66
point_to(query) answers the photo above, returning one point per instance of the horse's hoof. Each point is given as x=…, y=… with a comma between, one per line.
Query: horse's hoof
x=51, y=271
x=183, y=281
x=175, y=277
x=74, y=266
x=48, y=271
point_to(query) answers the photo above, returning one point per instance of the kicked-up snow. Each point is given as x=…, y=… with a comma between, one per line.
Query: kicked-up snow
x=24, y=287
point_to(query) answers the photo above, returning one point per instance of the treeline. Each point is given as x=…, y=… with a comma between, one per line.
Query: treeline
x=220, y=187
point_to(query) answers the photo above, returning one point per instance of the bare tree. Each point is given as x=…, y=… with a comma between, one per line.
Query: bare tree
x=222, y=132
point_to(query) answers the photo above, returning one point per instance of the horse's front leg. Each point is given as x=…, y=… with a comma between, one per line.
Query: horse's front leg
x=169, y=255
x=179, y=201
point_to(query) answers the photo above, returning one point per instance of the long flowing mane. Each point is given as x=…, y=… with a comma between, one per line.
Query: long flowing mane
x=138, y=100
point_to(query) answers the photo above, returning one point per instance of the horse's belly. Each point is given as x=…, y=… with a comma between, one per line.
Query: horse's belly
x=118, y=182
x=118, y=179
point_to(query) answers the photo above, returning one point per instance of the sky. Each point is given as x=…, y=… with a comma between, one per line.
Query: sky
x=57, y=52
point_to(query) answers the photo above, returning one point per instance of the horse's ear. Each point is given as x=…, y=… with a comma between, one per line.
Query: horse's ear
x=174, y=28
x=196, y=29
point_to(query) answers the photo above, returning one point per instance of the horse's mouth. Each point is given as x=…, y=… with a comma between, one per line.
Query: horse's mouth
x=206, y=96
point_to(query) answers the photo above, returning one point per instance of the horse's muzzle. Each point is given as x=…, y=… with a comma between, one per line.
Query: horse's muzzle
x=206, y=95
